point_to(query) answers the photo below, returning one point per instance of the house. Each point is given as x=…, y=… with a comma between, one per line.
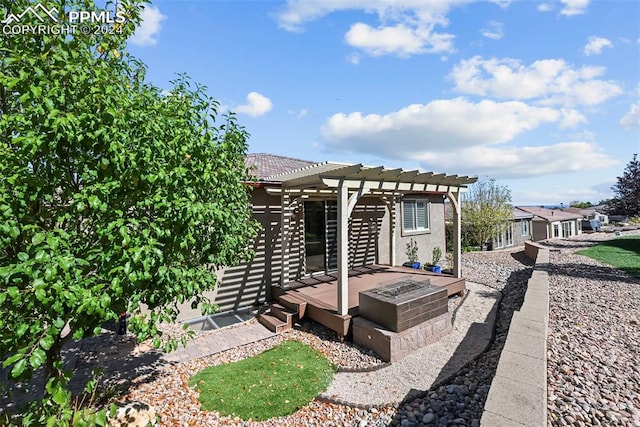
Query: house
x=553, y=223
x=516, y=232
x=593, y=212
x=598, y=212
x=329, y=219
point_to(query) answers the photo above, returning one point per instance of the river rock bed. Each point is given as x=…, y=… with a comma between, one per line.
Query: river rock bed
x=593, y=342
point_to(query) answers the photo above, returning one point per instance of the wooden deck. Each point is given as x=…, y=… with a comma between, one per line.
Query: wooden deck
x=321, y=296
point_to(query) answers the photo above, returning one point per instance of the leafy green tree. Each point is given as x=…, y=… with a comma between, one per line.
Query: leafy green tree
x=627, y=191
x=580, y=205
x=486, y=210
x=114, y=195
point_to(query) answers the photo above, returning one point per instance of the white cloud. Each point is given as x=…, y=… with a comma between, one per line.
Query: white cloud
x=574, y=7
x=468, y=137
x=445, y=125
x=595, y=45
x=632, y=118
x=150, y=25
x=571, y=118
x=545, y=7
x=406, y=27
x=354, y=58
x=401, y=39
x=257, y=105
x=494, y=30
x=303, y=113
x=547, y=81
x=520, y=162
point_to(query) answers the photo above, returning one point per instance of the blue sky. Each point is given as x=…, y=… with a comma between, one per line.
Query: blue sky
x=542, y=96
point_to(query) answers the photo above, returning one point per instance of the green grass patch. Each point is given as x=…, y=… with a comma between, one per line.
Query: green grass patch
x=622, y=253
x=274, y=383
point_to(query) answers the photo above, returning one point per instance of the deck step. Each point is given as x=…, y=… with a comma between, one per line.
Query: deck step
x=272, y=323
x=294, y=303
x=285, y=314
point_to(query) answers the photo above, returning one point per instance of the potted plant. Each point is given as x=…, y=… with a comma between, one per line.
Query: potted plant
x=412, y=254
x=448, y=263
x=436, y=256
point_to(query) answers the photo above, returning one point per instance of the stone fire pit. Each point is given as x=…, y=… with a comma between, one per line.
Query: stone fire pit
x=398, y=318
x=403, y=304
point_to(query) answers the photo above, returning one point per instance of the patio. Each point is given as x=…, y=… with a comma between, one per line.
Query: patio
x=317, y=298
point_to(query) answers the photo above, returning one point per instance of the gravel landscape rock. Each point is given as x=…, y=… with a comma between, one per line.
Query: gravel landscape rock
x=593, y=352
x=594, y=340
x=458, y=401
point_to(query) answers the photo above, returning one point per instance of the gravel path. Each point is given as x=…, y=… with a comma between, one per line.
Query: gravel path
x=594, y=340
x=421, y=369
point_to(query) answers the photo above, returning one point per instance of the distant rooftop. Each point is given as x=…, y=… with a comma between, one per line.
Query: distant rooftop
x=264, y=165
x=550, y=214
x=520, y=214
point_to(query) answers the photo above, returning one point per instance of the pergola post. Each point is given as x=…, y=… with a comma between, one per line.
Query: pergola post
x=390, y=204
x=285, y=220
x=343, y=249
x=454, y=199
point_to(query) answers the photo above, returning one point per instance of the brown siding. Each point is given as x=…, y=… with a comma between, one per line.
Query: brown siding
x=248, y=283
x=365, y=227
x=540, y=230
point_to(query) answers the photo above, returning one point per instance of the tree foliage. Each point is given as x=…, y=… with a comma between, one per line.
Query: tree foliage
x=114, y=195
x=580, y=205
x=486, y=210
x=627, y=191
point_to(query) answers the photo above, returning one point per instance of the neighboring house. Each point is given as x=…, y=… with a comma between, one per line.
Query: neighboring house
x=596, y=212
x=332, y=217
x=553, y=223
x=593, y=212
x=516, y=232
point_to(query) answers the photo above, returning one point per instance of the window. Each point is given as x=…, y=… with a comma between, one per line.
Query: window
x=556, y=230
x=509, y=235
x=504, y=237
x=525, y=227
x=567, y=229
x=415, y=215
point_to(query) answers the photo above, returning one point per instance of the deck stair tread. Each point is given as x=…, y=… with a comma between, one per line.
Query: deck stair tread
x=294, y=303
x=273, y=323
x=283, y=313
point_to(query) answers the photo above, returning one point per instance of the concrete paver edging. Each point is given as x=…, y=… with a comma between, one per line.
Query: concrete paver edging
x=518, y=393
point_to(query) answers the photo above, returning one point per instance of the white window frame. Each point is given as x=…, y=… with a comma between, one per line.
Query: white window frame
x=412, y=203
x=508, y=235
x=499, y=240
x=525, y=227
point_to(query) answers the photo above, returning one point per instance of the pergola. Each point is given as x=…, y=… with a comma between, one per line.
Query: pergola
x=348, y=183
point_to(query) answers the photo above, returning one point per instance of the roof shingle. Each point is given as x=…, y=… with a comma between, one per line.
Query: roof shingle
x=263, y=165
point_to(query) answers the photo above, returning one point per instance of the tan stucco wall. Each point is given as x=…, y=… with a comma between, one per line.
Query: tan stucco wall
x=518, y=238
x=426, y=240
